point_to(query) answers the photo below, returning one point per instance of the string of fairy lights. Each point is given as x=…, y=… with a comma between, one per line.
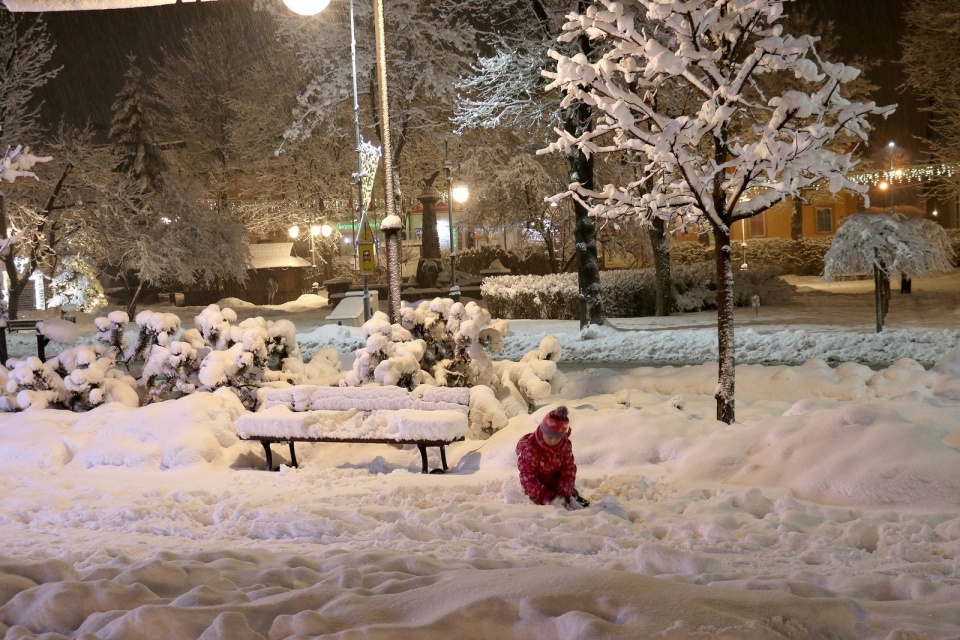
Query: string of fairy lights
x=906, y=176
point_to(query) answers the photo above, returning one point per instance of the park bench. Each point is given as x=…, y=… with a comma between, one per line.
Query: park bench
x=25, y=325
x=428, y=417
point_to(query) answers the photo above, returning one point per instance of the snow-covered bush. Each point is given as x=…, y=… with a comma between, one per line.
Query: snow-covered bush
x=628, y=293
x=391, y=356
x=78, y=379
x=155, y=329
x=456, y=337
x=110, y=332
x=75, y=284
x=520, y=385
x=802, y=257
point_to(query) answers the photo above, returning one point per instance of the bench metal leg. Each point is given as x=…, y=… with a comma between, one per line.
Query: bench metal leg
x=423, y=456
x=266, y=449
x=293, y=455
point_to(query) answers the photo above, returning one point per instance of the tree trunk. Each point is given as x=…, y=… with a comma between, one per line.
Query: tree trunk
x=659, y=240
x=134, y=300
x=878, y=297
x=579, y=120
x=727, y=347
x=796, y=219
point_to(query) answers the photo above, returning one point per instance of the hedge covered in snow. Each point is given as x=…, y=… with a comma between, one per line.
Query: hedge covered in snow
x=627, y=293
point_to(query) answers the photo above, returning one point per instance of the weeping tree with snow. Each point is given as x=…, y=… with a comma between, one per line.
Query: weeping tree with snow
x=753, y=112
x=884, y=244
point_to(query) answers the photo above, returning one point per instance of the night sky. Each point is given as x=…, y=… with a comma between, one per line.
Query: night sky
x=92, y=46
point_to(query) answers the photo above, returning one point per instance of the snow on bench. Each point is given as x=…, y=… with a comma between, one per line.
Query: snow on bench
x=427, y=417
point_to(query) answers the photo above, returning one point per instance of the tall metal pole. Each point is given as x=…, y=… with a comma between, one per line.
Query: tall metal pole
x=448, y=168
x=356, y=126
x=393, y=257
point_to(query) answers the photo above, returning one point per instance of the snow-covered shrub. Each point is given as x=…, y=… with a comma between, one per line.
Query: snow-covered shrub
x=76, y=284
x=110, y=332
x=626, y=293
x=79, y=379
x=31, y=383
x=155, y=329
x=391, y=356
x=91, y=378
x=456, y=337
x=521, y=384
x=802, y=257
x=172, y=370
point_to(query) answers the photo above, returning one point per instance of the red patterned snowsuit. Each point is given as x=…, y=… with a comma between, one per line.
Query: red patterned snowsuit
x=546, y=472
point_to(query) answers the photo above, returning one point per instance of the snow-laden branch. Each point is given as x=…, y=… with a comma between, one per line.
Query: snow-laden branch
x=729, y=114
x=891, y=243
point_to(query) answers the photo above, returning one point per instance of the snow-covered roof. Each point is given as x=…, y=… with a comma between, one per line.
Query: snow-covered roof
x=275, y=255
x=76, y=5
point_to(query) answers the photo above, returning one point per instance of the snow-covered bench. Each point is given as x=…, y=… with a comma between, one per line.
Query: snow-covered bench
x=427, y=417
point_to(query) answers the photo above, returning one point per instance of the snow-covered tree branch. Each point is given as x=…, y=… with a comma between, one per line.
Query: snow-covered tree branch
x=728, y=114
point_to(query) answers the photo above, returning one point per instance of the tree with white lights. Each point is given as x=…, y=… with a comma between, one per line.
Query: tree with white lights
x=732, y=141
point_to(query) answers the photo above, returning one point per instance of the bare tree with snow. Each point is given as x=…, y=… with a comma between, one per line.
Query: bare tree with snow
x=931, y=57
x=732, y=143
x=882, y=244
x=506, y=90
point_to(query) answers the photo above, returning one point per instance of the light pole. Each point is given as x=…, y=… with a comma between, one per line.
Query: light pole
x=312, y=7
x=743, y=242
x=460, y=193
x=890, y=148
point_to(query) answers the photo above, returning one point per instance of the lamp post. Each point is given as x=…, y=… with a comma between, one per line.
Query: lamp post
x=890, y=148
x=312, y=7
x=460, y=193
x=743, y=243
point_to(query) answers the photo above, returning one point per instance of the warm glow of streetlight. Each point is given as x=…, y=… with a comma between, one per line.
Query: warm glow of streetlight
x=306, y=7
x=935, y=213
x=326, y=230
x=884, y=185
x=891, y=144
x=314, y=229
x=294, y=232
x=460, y=191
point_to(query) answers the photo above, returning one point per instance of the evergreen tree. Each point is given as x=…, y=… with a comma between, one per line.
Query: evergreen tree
x=130, y=131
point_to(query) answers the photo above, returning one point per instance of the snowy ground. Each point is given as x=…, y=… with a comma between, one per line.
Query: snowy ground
x=831, y=509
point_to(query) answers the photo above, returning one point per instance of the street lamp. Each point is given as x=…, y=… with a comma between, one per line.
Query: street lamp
x=460, y=193
x=743, y=243
x=312, y=7
x=314, y=232
x=890, y=147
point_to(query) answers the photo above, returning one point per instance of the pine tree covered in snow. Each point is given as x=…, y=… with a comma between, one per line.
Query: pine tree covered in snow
x=736, y=139
x=131, y=132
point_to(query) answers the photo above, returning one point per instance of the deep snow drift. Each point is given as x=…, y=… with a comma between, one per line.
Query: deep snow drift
x=831, y=509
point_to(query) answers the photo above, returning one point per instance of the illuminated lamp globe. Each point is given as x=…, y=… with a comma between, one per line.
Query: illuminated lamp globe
x=460, y=191
x=306, y=7
x=294, y=232
x=884, y=185
x=314, y=230
x=326, y=230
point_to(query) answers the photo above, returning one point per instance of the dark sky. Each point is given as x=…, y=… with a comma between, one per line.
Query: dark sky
x=92, y=46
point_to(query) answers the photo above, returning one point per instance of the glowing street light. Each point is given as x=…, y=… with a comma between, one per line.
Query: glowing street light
x=459, y=192
x=312, y=7
x=294, y=232
x=306, y=7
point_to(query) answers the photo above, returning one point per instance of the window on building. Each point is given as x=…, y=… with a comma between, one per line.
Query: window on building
x=824, y=220
x=758, y=227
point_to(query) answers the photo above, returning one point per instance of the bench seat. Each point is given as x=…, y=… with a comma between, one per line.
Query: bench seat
x=422, y=427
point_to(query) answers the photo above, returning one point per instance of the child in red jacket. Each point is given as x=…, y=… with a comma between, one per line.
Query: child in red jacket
x=546, y=464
